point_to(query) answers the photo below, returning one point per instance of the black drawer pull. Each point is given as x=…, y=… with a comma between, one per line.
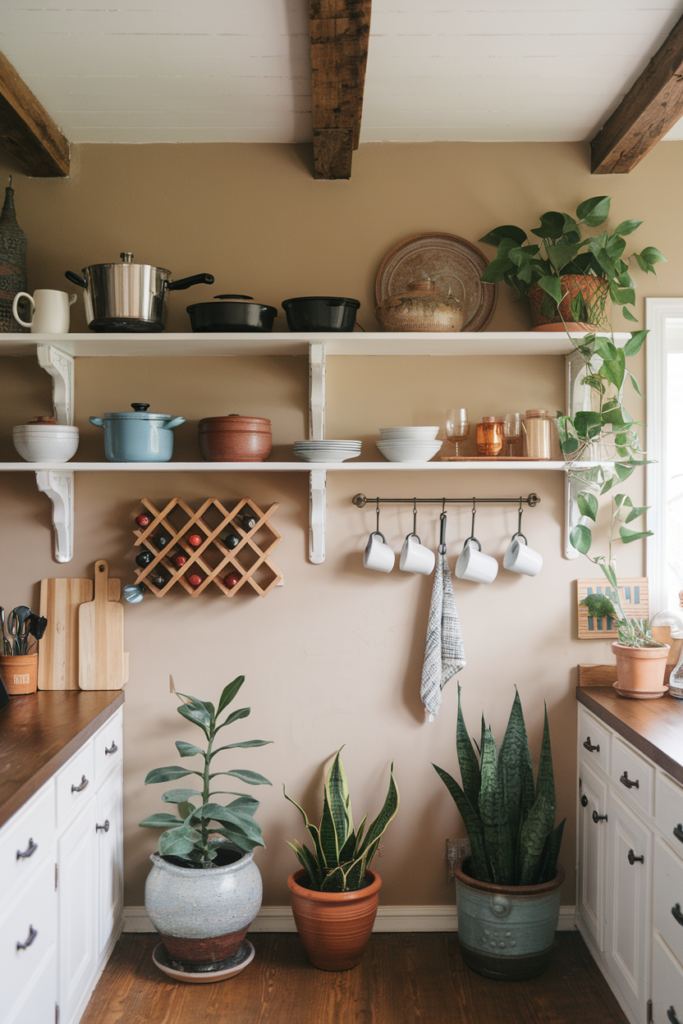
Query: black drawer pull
x=629, y=783
x=591, y=746
x=28, y=852
x=678, y=832
x=112, y=749
x=584, y=801
x=671, y=1014
x=32, y=934
x=676, y=911
x=632, y=858
x=598, y=817
x=79, y=789
x=102, y=828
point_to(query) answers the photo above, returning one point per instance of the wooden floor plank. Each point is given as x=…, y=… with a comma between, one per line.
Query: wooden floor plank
x=404, y=978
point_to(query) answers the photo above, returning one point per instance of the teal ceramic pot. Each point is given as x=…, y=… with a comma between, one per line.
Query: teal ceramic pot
x=202, y=914
x=506, y=932
x=137, y=436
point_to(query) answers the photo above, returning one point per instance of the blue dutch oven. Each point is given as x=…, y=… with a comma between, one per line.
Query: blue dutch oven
x=137, y=436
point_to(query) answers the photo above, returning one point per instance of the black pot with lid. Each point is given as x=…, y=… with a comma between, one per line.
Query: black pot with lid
x=232, y=313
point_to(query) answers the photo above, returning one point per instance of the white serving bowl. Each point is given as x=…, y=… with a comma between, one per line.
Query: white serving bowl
x=408, y=451
x=408, y=433
x=45, y=442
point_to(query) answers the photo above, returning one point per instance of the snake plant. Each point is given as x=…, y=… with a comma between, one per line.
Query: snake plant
x=201, y=828
x=341, y=855
x=510, y=821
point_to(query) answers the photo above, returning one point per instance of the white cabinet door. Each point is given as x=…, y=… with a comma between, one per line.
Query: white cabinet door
x=38, y=1005
x=629, y=925
x=108, y=840
x=592, y=853
x=76, y=891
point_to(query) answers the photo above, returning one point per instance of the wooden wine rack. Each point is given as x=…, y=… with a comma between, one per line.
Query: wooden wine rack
x=177, y=521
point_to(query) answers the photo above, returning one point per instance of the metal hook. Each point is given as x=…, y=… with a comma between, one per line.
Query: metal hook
x=519, y=523
x=442, y=540
x=414, y=517
x=472, y=538
x=377, y=527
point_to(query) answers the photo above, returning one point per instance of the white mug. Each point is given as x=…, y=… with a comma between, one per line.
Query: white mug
x=474, y=565
x=49, y=310
x=415, y=557
x=378, y=555
x=521, y=558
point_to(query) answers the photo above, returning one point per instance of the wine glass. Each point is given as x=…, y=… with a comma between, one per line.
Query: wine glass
x=512, y=429
x=457, y=427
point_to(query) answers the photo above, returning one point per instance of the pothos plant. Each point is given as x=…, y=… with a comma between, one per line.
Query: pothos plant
x=201, y=827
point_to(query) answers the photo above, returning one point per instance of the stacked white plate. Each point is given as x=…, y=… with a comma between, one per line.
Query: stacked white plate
x=327, y=451
x=409, y=444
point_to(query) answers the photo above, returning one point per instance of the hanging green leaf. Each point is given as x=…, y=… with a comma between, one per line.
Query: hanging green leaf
x=588, y=504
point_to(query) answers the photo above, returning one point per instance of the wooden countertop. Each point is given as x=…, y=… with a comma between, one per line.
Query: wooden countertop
x=655, y=727
x=40, y=732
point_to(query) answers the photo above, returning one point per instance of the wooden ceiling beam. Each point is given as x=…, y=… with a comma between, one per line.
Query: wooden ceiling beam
x=649, y=110
x=340, y=30
x=26, y=129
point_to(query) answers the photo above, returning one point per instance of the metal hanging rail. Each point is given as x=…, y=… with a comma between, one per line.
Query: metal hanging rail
x=360, y=501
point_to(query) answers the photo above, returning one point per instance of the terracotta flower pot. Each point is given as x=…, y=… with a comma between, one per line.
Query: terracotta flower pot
x=235, y=438
x=640, y=671
x=335, y=927
x=506, y=932
x=595, y=291
x=19, y=673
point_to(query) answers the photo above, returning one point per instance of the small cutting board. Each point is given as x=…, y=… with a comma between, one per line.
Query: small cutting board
x=100, y=638
x=59, y=603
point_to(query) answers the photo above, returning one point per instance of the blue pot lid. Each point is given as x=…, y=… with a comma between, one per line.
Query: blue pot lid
x=139, y=413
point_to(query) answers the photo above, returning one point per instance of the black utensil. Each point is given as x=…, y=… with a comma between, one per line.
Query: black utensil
x=37, y=624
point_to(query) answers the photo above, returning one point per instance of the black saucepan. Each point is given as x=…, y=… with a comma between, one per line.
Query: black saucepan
x=233, y=313
x=321, y=313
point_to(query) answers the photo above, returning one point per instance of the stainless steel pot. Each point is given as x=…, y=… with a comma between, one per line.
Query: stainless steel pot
x=128, y=296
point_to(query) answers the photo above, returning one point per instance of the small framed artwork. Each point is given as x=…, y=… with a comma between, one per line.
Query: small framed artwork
x=635, y=600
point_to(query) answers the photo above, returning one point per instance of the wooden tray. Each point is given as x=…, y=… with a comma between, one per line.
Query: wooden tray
x=490, y=458
x=188, y=521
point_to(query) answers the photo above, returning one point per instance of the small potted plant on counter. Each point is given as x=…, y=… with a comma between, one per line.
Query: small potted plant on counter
x=508, y=890
x=204, y=889
x=570, y=279
x=335, y=895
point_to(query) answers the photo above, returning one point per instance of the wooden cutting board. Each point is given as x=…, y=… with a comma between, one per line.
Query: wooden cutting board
x=59, y=603
x=101, y=662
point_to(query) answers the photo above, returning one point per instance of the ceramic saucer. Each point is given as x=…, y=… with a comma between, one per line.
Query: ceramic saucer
x=226, y=969
x=640, y=694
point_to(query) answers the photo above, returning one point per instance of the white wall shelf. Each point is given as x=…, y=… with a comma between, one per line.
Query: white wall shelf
x=58, y=355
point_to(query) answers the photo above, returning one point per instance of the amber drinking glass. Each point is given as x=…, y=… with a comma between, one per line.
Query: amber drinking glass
x=490, y=436
x=457, y=427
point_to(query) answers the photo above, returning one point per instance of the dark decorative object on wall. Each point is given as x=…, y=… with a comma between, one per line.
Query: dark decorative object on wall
x=12, y=262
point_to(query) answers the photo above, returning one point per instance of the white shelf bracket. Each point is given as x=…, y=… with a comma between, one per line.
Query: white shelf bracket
x=316, y=408
x=60, y=366
x=573, y=485
x=58, y=484
x=318, y=515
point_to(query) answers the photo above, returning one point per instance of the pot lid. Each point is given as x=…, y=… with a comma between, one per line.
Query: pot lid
x=234, y=300
x=234, y=420
x=42, y=421
x=127, y=260
x=139, y=413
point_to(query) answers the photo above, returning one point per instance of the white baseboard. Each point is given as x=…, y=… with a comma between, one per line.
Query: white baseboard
x=389, y=919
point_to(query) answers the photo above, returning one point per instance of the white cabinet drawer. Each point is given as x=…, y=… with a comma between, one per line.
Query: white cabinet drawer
x=668, y=898
x=37, y=1005
x=30, y=920
x=635, y=776
x=75, y=783
x=594, y=741
x=27, y=839
x=108, y=746
x=667, y=985
x=669, y=811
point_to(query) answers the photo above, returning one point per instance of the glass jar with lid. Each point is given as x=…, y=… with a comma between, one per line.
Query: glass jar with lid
x=537, y=434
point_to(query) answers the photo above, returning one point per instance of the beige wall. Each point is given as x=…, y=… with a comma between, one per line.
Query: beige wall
x=334, y=656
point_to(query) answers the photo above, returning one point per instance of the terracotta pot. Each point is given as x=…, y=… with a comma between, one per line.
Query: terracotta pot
x=594, y=290
x=19, y=673
x=421, y=308
x=335, y=927
x=640, y=671
x=506, y=932
x=235, y=438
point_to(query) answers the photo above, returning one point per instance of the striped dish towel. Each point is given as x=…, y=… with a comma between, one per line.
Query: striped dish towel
x=444, y=652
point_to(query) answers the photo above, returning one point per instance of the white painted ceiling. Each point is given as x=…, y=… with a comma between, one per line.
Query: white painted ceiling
x=136, y=71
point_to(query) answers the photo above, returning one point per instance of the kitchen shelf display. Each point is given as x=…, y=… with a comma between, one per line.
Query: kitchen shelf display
x=178, y=523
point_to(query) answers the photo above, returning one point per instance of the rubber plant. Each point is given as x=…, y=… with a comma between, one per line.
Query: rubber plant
x=510, y=820
x=201, y=827
x=341, y=856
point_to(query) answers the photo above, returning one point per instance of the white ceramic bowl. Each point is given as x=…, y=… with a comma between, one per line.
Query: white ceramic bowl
x=327, y=455
x=406, y=433
x=408, y=452
x=45, y=442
